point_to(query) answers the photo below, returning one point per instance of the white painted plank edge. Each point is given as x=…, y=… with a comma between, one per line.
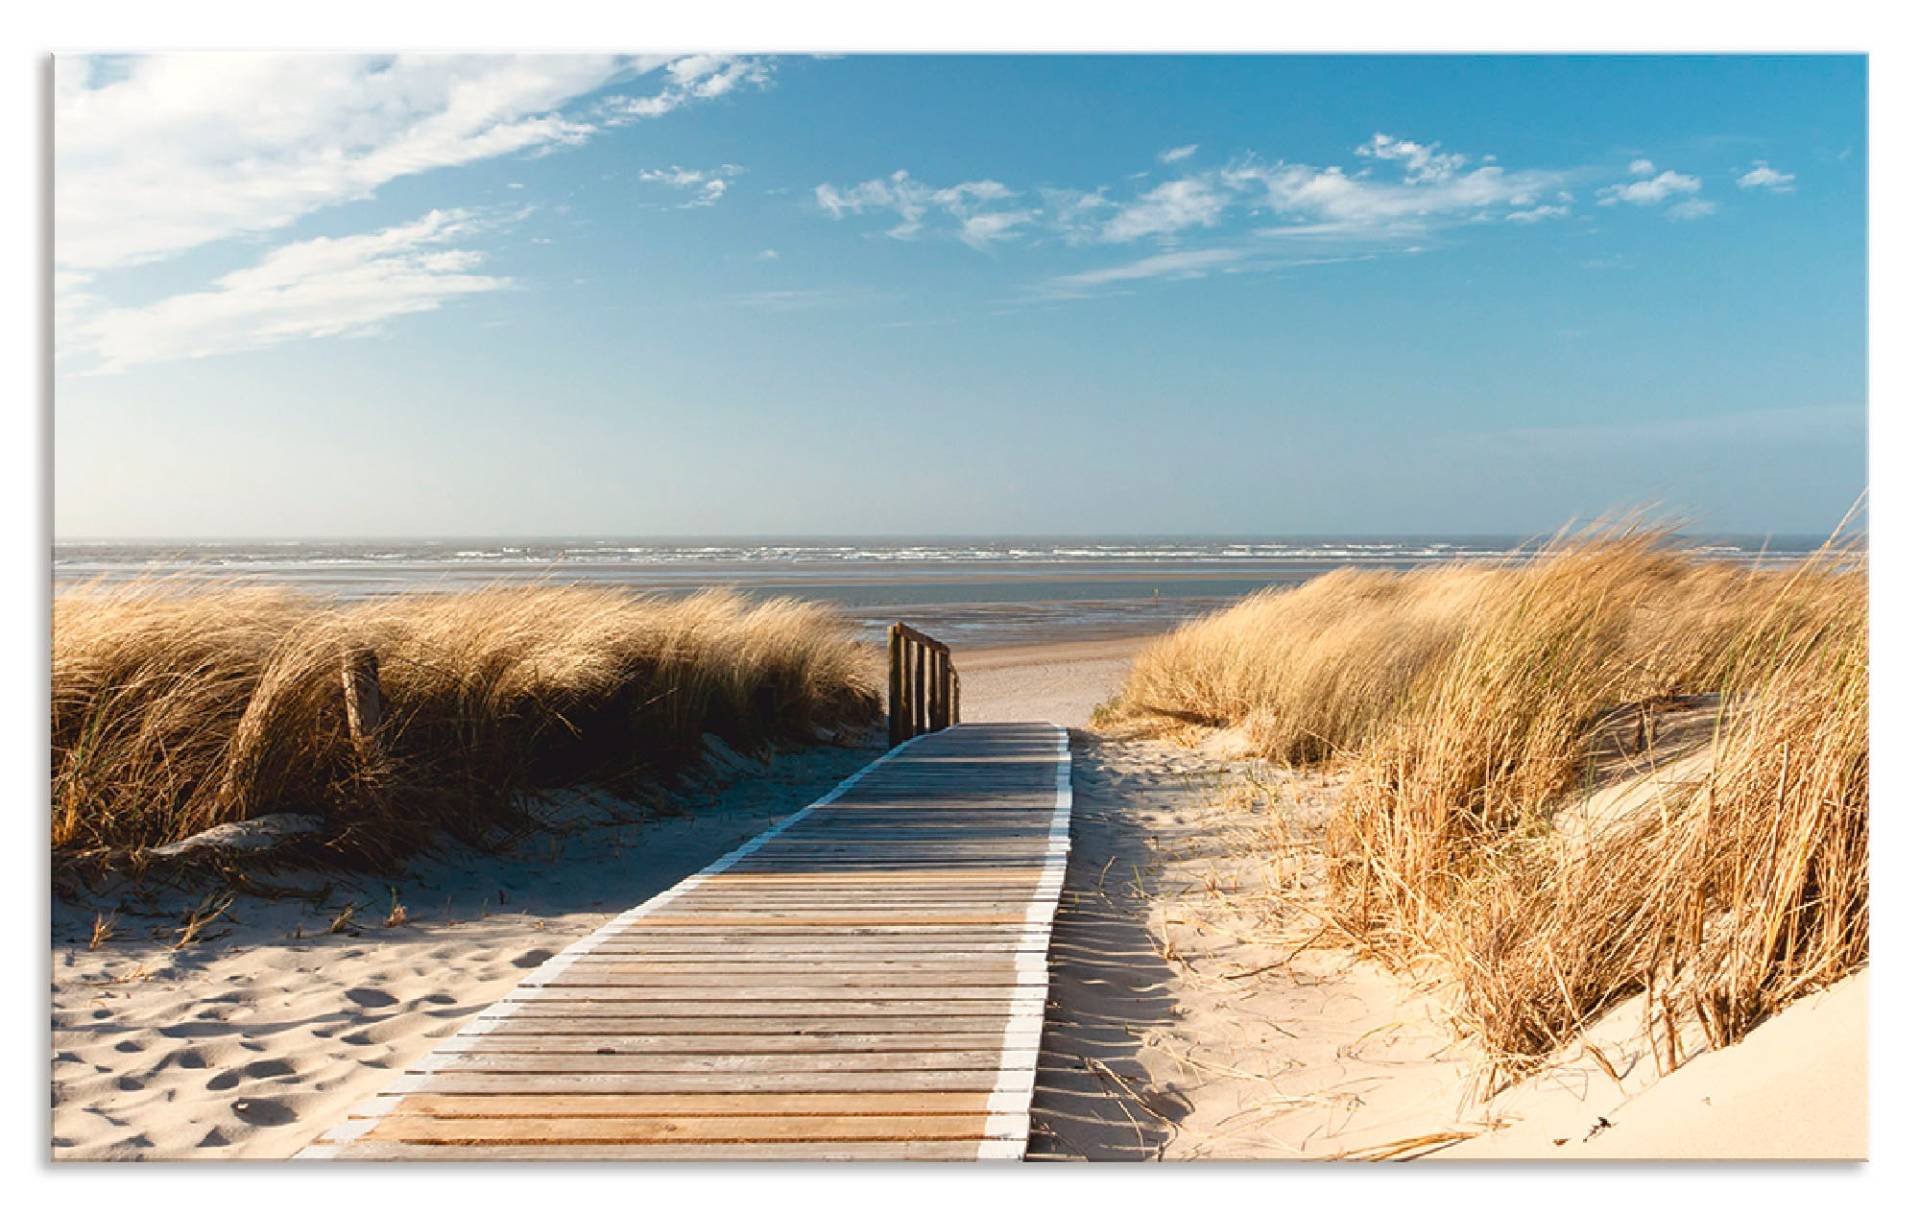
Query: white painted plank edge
x=1010, y=1108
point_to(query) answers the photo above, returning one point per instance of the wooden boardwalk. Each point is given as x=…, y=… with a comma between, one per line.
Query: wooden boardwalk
x=865, y=980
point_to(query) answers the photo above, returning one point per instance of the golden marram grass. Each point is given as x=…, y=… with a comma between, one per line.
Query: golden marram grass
x=175, y=711
x=1465, y=708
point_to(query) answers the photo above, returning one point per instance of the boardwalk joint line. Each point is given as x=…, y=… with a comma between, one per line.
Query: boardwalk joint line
x=865, y=980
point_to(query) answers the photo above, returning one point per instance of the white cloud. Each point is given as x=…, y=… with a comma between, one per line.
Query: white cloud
x=1433, y=188
x=1074, y=214
x=1169, y=207
x=1641, y=168
x=1649, y=190
x=974, y=206
x=767, y=254
x=158, y=154
x=710, y=184
x=1367, y=208
x=314, y=288
x=1764, y=177
x=1174, y=155
x=1193, y=263
x=980, y=231
x=1692, y=208
x=696, y=78
x=1424, y=162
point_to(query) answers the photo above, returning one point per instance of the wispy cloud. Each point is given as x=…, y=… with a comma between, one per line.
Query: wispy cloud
x=1692, y=208
x=1649, y=190
x=313, y=288
x=160, y=154
x=1764, y=177
x=978, y=209
x=710, y=185
x=694, y=78
x=1398, y=194
x=1431, y=188
x=1167, y=208
x=1193, y=263
x=1425, y=162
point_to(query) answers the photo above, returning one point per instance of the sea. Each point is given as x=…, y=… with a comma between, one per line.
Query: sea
x=976, y=591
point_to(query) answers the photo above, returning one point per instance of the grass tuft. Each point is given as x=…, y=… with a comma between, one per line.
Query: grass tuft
x=177, y=711
x=1470, y=711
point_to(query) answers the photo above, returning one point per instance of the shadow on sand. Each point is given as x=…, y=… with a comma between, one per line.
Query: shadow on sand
x=1110, y=988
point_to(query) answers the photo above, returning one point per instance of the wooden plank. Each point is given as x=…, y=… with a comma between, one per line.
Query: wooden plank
x=600, y=1130
x=864, y=980
x=718, y=1103
x=692, y=1027
x=771, y=995
x=988, y=965
x=703, y=1081
x=809, y=1007
x=707, y=1063
x=505, y=1040
x=716, y=1152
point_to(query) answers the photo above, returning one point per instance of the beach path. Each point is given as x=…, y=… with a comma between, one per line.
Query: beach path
x=865, y=980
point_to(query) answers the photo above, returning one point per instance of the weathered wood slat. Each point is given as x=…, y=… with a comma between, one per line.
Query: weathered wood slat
x=688, y=1026
x=706, y=1082
x=707, y=1063
x=866, y=980
x=799, y=1103
x=600, y=1130
x=851, y=1151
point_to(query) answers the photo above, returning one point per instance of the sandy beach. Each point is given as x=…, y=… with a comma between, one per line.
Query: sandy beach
x=1192, y=1016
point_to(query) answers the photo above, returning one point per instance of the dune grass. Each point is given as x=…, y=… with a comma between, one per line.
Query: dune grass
x=176, y=711
x=1463, y=706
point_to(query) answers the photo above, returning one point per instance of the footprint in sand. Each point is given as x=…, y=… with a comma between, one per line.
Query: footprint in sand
x=533, y=959
x=266, y=1067
x=366, y=996
x=270, y=1067
x=263, y=1113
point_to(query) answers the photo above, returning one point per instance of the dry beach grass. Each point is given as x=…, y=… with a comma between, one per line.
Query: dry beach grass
x=1467, y=709
x=177, y=711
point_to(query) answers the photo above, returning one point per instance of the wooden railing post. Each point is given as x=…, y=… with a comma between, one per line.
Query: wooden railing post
x=360, y=680
x=897, y=726
x=923, y=688
x=919, y=688
x=942, y=679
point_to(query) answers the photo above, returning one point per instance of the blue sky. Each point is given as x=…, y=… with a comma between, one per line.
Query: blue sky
x=332, y=295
